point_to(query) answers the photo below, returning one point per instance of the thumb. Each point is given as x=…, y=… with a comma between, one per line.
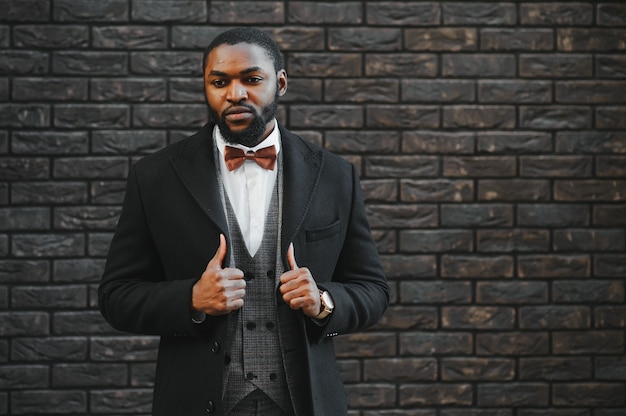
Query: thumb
x=291, y=257
x=220, y=254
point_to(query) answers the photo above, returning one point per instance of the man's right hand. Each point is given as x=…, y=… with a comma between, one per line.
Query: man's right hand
x=219, y=290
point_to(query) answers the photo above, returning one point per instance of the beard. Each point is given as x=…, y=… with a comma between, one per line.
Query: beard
x=251, y=135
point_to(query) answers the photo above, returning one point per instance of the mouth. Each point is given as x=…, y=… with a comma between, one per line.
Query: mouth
x=238, y=114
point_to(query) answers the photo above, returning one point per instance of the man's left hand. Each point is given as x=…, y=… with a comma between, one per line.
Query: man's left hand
x=298, y=287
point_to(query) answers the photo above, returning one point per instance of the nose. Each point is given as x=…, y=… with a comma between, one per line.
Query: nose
x=236, y=92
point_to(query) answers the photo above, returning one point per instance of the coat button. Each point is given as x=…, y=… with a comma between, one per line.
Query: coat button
x=250, y=376
x=210, y=407
x=215, y=347
x=251, y=326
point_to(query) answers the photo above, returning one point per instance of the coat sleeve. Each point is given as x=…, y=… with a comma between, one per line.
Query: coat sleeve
x=134, y=295
x=358, y=285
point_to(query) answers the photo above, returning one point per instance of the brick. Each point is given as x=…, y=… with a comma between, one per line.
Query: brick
x=128, y=89
x=130, y=37
x=99, y=243
x=449, y=39
x=324, y=64
x=555, y=65
x=511, y=293
x=513, y=394
x=89, y=63
x=468, y=215
x=609, y=215
x=436, y=190
x=590, y=92
x=554, y=317
x=86, y=218
x=48, y=245
x=555, y=117
x=49, y=349
x=91, y=167
x=23, y=271
x=403, y=14
x=611, y=117
x=80, y=323
x=513, y=343
x=363, y=142
x=24, y=324
x=465, y=266
x=59, y=297
x=189, y=90
x=49, y=192
x=24, y=168
x=513, y=92
x=23, y=62
x=4, y=95
x=361, y=90
x=588, y=342
x=169, y=115
x=440, y=142
x=555, y=368
x=552, y=215
x=91, y=116
x=107, y=192
x=406, y=116
x=409, y=318
x=611, y=368
x=597, y=40
x=477, y=369
x=474, y=65
x=439, y=292
x=414, y=266
x=398, y=370
x=589, y=240
x=87, y=11
x=479, y=13
x=425, y=241
x=553, y=266
x=479, y=117
x=124, y=348
x=299, y=38
x=56, y=402
x=513, y=142
x=300, y=90
x=580, y=291
x=48, y=37
x=326, y=116
x=589, y=190
x=520, y=190
x=77, y=270
x=127, y=141
x=320, y=12
x=477, y=317
x=169, y=10
x=401, y=216
x=401, y=166
x=25, y=10
x=135, y=401
x=610, y=66
x=5, y=32
x=476, y=412
x=516, y=39
x=49, y=89
x=191, y=37
x=360, y=39
x=142, y=374
x=23, y=377
x=401, y=64
x=14, y=218
x=365, y=345
x=478, y=166
x=423, y=91
x=372, y=395
x=591, y=142
x=257, y=12
x=385, y=239
x=24, y=115
x=611, y=166
x=48, y=142
x=556, y=13
x=588, y=394
x=89, y=375
x=611, y=14
x=556, y=166
x=435, y=394
x=178, y=63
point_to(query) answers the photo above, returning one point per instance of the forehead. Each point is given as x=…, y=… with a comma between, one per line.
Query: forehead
x=239, y=57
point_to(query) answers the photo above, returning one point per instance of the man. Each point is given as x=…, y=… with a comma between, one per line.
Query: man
x=246, y=272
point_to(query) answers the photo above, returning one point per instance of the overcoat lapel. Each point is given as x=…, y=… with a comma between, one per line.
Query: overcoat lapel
x=195, y=166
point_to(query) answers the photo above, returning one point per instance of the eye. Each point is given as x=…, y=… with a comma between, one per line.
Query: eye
x=254, y=80
x=218, y=83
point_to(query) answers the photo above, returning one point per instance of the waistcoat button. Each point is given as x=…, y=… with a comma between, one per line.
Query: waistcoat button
x=215, y=347
x=250, y=325
x=210, y=406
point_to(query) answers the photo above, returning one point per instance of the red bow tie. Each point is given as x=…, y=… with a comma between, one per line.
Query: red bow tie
x=234, y=157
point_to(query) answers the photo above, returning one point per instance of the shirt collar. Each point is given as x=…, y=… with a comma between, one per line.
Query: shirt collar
x=272, y=139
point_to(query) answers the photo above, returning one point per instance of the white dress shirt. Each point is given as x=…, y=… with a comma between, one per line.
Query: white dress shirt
x=250, y=182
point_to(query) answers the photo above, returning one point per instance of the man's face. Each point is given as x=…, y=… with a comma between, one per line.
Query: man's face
x=242, y=90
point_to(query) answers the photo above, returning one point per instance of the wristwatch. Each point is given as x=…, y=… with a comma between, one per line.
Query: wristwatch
x=327, y=305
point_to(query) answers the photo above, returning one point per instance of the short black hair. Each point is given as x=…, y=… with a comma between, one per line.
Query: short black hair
x=250, y=35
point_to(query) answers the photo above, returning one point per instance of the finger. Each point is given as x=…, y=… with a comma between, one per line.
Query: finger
x=291, y=257
x=220, y=254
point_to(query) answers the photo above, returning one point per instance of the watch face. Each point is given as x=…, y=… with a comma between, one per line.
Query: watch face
x=328, y=301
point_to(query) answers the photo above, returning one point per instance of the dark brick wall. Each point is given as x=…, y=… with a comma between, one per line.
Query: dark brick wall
x=491, y=140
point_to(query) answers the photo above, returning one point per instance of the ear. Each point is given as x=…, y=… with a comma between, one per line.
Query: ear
x=281, y=82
